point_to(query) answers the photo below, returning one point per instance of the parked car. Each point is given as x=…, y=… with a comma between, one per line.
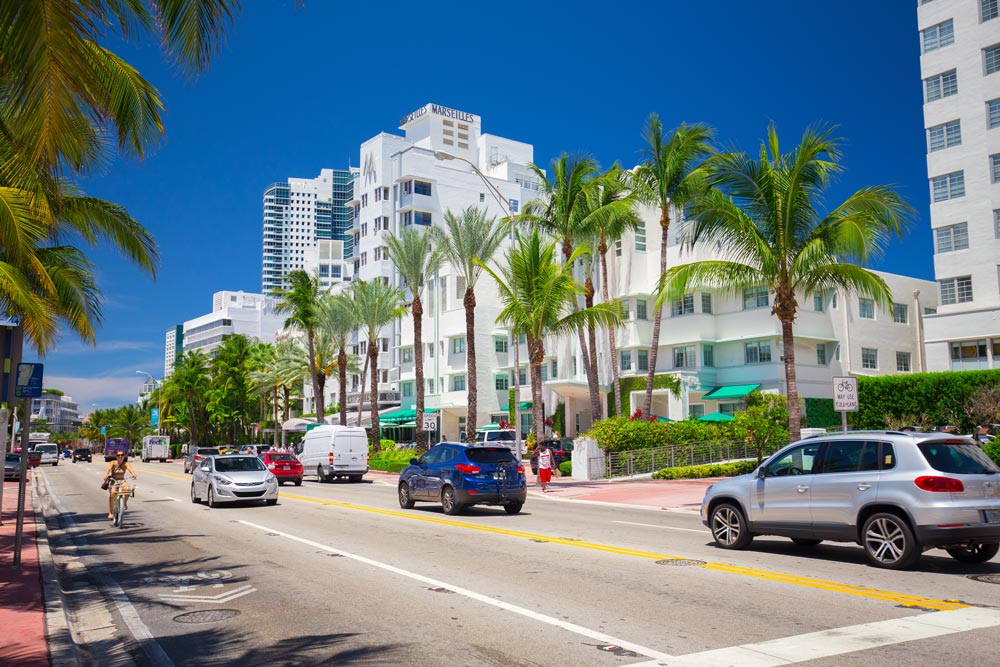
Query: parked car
x=335, y=451
x=285, y=467
x=233, y=478
x=195, y=456
x=34, y=458
x=49, y=452
x=459, y=476
x=497, y=436
x=561, y=448
x=83, y=454
x=896, y=494
x=11, y=466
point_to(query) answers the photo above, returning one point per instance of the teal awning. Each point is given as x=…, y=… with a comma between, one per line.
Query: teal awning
x=525, y=405
x=402, y=415
x=664, y=419
x=729, y=392
x=715, y=417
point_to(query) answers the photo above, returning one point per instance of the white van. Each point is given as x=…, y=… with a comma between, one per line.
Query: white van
x=335, y=451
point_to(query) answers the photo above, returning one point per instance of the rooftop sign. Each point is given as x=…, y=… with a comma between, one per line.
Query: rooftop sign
x=438, y=110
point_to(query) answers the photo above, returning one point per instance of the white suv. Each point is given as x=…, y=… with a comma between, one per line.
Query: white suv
x=497, y=436
x=897, y=494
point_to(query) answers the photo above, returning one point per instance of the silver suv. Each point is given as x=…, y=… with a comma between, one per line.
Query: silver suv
x=896, y=494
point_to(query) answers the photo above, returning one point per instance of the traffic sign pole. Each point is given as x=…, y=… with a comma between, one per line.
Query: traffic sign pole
x=22, y=480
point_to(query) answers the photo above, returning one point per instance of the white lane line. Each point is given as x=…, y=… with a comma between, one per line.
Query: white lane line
x=650, y=525
x=506, y=606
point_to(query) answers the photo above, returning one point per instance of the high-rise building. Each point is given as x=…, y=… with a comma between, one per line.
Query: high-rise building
x=173, y=349
x=251, y=315
x=300, y=215
x=960, y=68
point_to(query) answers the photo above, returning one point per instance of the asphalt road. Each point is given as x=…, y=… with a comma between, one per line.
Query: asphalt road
x=337, y=574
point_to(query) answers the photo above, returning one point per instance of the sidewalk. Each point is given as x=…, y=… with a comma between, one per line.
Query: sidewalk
x=22, y=610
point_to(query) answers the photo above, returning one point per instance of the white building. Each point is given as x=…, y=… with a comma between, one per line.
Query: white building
x=251, y=315
x=173, y=348
x=960, y=68
x=60, y=413
x=304, y=215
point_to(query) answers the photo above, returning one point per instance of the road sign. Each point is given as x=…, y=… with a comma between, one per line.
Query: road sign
x=430, y=421
x=154, y=417
x=28, y=383
x=845, y=394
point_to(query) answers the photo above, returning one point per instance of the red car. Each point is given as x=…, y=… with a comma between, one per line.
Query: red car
x=285, y=467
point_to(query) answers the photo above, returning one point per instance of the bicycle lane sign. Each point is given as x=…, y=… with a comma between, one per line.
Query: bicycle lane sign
x=845, y=394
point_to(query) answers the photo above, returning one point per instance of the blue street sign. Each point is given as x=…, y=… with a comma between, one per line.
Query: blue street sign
x=28, y=383
x=154, y=416
x=104, y=430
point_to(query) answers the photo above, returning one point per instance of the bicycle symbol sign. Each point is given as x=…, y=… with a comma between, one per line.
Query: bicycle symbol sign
x=845, y=394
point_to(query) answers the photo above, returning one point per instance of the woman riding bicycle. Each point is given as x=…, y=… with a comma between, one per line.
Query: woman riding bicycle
x=116, y=473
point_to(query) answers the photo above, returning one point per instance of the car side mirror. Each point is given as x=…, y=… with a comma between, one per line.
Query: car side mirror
x=414, y=462
x=762, y=472
x=205, y=468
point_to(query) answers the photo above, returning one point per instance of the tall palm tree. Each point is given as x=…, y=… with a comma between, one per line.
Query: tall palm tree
x=673, y=175
x=416, y=256
x=300, y=301
x=765, y=213
x=375, y=304
x=336, y=318
x=187, y=385
x=539, y=295
x=465, y=239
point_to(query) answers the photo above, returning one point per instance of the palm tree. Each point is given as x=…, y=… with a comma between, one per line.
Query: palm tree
x=465, y=239
x=375, y=304
x=540, y=297
x=336, y=319
x=300, y=300
x=764, y=212
x=673, y=175
x=415, y=256
x=187, y=385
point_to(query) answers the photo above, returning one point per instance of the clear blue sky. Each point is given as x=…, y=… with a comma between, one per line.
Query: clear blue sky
x=294, y=91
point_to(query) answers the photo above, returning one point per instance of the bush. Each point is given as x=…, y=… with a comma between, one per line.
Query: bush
x=710, y=470
x=387, y=465
x=175, y=450
x=566, y=468
x=820, y=413
x=386, y=443
x=618, y=434
x=992, y=450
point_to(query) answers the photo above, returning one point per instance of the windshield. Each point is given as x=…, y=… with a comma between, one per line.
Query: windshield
x=13, y=457
x=957, y=458
x=489, y=455
x=45, y=448
x=239, y=464
x=283, y=457
x=208, y=451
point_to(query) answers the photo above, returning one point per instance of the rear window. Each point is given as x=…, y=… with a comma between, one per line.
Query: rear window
x=45, y=448
x=208, y=451
x=489, y=454
x=283, y=457
x=495, y=436
x=957, y=458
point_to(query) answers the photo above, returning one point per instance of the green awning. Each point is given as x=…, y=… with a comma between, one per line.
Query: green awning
x=664, y=419
x=525, y=405
x=728, y=392
x=402, y=415
x=715, y=417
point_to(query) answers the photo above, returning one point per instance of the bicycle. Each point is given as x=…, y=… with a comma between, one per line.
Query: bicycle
x=120, y=490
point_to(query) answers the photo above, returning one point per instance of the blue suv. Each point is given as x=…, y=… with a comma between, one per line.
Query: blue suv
x=458, y=476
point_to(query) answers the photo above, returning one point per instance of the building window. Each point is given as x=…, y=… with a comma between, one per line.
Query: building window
x=758, y=352
x=643, y=362
x=406, y=355
x=500, y=344
x=522, y=375
x=988, y=9
x=956, y=290
x=996, y=222
x=869, y=358
x=625, y=360
x=706, y=303
x=458, y=383
x=991, y=59
x=969, y=355
x=640, y=309
x=430, y=385
x=729, y=408
x=430, y=350
x=696, y=410
x=682, y=306
x=944, y=136
x=948, y=186
x=625, y=313
x=938, y=36
x=482, y=197
x=941, y=85
x=640, y=237
x=501, y=382
x=995, y=168
x=952, y=237
x=618, y=248
x=708, y=355
x=833, y=301
x=555, y=369
x=821, y=354
x=866, y=308
x=458, y=345
x=684, y=357
x=422, y=188
x=422, y=218
x=755, y=297
x=900, y=313
x=903, y=362
x=993, y=113
x=407, y=389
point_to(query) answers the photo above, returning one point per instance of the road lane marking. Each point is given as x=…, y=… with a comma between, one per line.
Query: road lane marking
x=173, y=499
x=650, y=525
x=479, y=597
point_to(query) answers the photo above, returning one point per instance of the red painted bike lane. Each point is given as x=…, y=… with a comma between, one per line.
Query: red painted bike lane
x=22, y=609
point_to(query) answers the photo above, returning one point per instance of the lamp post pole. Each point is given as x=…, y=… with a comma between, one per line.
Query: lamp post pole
x=505, y=205
x=159, y=413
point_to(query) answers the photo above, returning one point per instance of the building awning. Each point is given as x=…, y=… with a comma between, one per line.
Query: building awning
x=402, y=415
x=525, y=405
x=729, y=392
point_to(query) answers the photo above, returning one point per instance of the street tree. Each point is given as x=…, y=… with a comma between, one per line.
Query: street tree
x=299, y=300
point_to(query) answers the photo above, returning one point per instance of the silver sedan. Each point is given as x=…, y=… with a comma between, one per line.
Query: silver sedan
x=229, y=479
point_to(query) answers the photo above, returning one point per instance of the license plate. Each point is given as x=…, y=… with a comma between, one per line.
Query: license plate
x=991, y=516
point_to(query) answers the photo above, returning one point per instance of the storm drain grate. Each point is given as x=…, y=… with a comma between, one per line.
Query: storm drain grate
x=208, y=616
x=680, y=562
x=985, y=578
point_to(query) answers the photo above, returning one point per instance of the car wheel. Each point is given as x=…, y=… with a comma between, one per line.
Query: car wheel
x=211, y=498
x=319, y=474
x=889, y=542
x=194, y=495
x=298, y=482
x=405, y=499
x=805, y=541
x=448, y=502
x=729, y=527
x=272, y=501
x=513, y=508
x=977, y=553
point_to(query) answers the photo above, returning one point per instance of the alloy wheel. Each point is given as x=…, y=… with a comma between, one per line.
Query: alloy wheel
x=727, y=526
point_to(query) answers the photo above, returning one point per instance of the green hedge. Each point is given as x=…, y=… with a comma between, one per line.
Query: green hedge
x=638, y=383
x=820, y=413
x=566, y=468
x=387, y=465
x=710, y=470
x=992, y=450
x=618, y=434
x=939, y=396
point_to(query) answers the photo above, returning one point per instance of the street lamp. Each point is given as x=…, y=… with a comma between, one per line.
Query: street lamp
x=506, y=205
x=159, y=415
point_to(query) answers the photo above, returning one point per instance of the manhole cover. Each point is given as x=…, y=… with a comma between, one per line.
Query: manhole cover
x=208, y=616
x=986, y=578
x=680, y=562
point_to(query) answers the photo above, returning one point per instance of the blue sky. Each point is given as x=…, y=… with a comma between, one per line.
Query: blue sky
x=297, y=90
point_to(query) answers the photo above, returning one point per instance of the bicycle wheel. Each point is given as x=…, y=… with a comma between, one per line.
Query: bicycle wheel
x=119, y=510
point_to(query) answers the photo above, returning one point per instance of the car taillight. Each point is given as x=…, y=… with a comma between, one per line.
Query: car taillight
x=270, y=466
x=520, y=469
x=467, y=469
x=939, y=484
x=197, y=457
x=331, y=457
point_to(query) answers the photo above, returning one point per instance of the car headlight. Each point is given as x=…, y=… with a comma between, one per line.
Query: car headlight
x=224, y=481
x=271, y=479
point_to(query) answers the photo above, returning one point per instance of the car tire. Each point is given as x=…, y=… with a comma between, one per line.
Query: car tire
x=449, y=504
x=888, y=542
x=271, y=501
x=405, y=497
x=806, y=541
x=211, y=498
x=194, y=495
x=320, y=477
x=298, y=482
x=729, y=527
x=513, y=508
x=977, y=553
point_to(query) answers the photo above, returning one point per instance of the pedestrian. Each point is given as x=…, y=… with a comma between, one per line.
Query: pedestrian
x=444, y=438
x=546, y=462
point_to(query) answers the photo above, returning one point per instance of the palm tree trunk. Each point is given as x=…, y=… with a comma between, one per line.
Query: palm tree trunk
x=657, y=314
x=361, y=392
x=321, y=383
x=612, y=344
x=472, y=385
x=536, y=354
x=286, y=395
x=792, y=389
x=274, y=411
x=318, y=397
x=593, y=383
x=595, y=401
x=373, y=359
x=342, y=379
x=418, y=360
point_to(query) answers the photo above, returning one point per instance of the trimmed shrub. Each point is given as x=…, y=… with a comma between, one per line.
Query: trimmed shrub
x=386, y=443
x=942, y=397
x=820, y=413
x=618, y=434
x=992, y=450
x=710, y=470
x=387, y=465
x=566, y=468
x=638, y=383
